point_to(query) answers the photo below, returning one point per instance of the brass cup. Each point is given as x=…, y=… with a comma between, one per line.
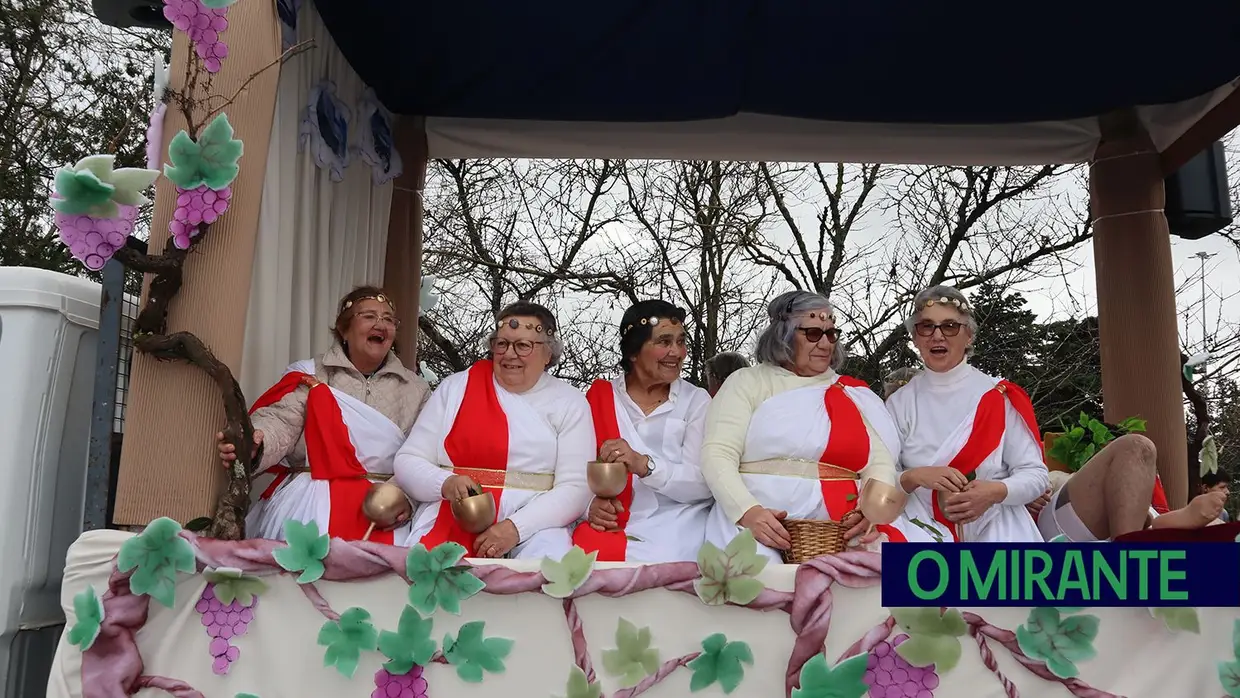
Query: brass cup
x=476, y=513
x=606, y=480
x=386, y=505
x=881, y=503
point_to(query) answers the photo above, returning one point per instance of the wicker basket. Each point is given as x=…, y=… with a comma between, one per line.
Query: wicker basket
x=813, y=538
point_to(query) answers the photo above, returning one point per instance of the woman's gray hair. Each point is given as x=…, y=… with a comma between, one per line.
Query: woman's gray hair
x=776, y=344
x=936, y=294
x=898, y=379
x=529, y=309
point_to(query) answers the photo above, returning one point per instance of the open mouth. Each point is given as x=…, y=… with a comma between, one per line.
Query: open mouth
x=376, y=338
x=511, y=365
x=938, y=351
x=670, y=365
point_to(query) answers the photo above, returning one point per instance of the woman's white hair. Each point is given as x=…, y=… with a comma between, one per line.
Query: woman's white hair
x=777, y=343
x=945, y=295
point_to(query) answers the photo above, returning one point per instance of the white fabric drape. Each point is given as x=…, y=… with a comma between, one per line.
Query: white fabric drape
x=317, y=238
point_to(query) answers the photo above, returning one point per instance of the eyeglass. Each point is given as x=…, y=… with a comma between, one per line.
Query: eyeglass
x=376, y=319
x=951, y=328
x=815, y=334
x=523, y=347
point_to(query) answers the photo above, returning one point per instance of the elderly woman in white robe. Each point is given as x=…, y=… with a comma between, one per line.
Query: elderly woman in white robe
x=791, y=438
x=508, y=427
x=970, y=447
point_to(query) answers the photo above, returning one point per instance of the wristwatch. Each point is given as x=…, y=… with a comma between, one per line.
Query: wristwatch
x=649, y=467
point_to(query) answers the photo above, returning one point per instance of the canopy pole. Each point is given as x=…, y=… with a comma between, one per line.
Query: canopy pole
x=402, y=266
x=1136, y=294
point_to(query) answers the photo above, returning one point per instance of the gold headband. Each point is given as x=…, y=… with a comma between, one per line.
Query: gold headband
x=963, y=306
x=377, y=297
x=653, y=321
x=516, y=325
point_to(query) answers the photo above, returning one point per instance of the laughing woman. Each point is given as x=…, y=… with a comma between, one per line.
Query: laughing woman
x=650, y=420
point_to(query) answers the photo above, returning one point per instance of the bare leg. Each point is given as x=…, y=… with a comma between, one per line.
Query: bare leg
x=1111, y=493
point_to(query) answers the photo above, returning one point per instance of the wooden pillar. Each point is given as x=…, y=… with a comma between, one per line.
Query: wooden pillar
x=169, y=465
x=1136, y=294
x=402, y=272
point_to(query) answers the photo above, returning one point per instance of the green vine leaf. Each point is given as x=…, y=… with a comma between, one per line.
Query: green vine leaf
x=579, y=687
x=346, y=638
x=89, y=611
x=730, y=575
x=156, y=555
x=933, y=636
x=720, y=661
x=1060, y=642
x=411, y=643
x=438, y=580
x=211, y=160
x=233, y=585
x=93, y=187
x=218, y=4
x=844, y=680
x=473, y=654
x=567, y=575
x=1178, y=619
x=1209, y=456
x=246, y=695
x=633, y=659
x=304, y=550
x=1229, y=672
x=932, y=531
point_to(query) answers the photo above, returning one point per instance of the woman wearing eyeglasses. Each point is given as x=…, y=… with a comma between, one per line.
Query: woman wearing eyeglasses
x=332, y=425
x=789, y=438
x=508, y=427
x=971, y=450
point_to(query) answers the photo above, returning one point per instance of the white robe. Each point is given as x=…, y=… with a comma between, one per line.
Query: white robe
x=549, y=431
x=934, y=414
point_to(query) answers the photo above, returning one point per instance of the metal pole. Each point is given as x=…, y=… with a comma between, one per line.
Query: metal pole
x=99, y=460
x=1203, y=256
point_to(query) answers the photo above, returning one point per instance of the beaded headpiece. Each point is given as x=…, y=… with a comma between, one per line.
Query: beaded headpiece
x=962, y=306
x=813, y=315
x=653, y=321
x=382, y=298
x=515, y=324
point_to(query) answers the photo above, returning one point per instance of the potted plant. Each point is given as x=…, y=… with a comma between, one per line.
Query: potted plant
x=1071, y=448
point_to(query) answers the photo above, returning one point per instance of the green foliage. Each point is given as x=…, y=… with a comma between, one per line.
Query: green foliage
x=844, y=680
x=633, y=659
x=210, y=160
x=233, y=585
x=720, y=661
x=473, y=654
x=1178, y=619
x=933, y=636
x=304, y=550
x=346, y=639
x=567, y=575
x=580, y=687
x=1058, y=641
x=411, y=643
x=1081, y=441
x=730, y=575
x=89, y=611
x=156, y=556
x=1229, y=671
x=438, y=580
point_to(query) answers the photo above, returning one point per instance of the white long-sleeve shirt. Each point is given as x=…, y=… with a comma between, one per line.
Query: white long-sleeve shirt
x=673, y=432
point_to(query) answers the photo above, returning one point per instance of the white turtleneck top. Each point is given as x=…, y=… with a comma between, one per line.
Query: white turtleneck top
x=933, y=405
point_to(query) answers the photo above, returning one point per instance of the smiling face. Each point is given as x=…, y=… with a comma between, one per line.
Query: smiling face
x=942, y=336
x=810, y=357
x=521, y=354
x=369, y=336
x=662, y=357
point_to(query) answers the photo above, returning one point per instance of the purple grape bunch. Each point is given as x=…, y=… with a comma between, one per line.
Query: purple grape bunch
x=194, y=208
x=409, y=685
x=223, y=623
x=92, y=241
x=889, y=676
x=204, y=26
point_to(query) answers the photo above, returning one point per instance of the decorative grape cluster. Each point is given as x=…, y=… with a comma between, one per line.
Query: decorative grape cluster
x=223, y=623
x=889, y=676
x=204, y=26
x=410, y=685
x=92, y=241
x=195, y=207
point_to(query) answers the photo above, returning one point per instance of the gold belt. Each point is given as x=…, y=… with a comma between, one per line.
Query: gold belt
x=506, y=479
x=800, y=468
x=373, y=477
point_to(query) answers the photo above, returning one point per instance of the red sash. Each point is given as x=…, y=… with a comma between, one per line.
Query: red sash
x=848, y=446
x=612, y=546
x=331, y=457
x=989, y=424
x=478, y=440
x=1159, y=498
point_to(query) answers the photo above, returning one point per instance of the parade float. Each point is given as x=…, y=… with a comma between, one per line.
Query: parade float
x=208, y=613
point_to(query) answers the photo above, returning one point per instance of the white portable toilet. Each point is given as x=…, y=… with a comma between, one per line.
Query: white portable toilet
x=48, y=338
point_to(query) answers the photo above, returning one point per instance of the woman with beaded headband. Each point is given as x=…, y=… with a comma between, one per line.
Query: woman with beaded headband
x=332, y=425
x=651, y=420
x=791, y=438
x=507, y=427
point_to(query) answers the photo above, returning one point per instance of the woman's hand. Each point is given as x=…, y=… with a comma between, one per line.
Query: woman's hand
x=1036, y=506
x=619, y=451
x=228, y=452
x=766, y=526
x=859, y=528
x=968, y=506
x=940, y=478
x=604, y=514
x=458, y=487
x=497, y=540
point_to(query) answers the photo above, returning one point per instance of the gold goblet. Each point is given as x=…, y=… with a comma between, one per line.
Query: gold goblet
x=386, y=506
x=881, y=503
x=606, y=480
x=476, y=513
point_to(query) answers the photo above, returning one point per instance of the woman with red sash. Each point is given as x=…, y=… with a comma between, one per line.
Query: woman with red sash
x=332, y=425
x=652, y=421
x=508, y=427
x=791, y=438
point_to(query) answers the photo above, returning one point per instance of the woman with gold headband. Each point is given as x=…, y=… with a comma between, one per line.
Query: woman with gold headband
x=971, y=449
x=332, y=425
x=507, y=427
x=789, y=438
x=651, y=420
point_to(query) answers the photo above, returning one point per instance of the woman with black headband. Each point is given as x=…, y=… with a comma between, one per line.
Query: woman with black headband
x=650, y=420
